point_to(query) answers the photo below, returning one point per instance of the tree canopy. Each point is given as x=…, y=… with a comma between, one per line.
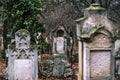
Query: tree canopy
x=19, y=14
x=22, y=14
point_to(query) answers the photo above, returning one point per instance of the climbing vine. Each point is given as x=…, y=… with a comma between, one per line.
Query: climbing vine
x=22, y=14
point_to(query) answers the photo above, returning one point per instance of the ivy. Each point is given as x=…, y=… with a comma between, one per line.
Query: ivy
x=23, y=14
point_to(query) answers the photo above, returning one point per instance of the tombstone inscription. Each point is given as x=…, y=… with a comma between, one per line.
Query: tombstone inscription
x=22, y=59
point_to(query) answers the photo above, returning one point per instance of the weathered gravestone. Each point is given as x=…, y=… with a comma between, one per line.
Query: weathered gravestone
x=62, y=43
x=95, y=46
x=61, y=52
x=58, y=65
x=22, y=59
x=61, y=68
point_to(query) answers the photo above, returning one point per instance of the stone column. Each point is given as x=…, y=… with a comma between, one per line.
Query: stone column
x=79, y=54
x=53, y=48
x=86, y=70
x=80, y=61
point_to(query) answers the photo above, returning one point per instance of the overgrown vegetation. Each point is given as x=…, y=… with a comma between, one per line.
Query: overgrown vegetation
x=22, y=14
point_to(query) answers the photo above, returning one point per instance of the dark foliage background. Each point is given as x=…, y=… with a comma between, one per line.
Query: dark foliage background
x=57, y=12
x=66, y=11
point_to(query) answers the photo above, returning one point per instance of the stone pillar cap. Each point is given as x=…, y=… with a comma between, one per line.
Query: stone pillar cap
x=22, y=32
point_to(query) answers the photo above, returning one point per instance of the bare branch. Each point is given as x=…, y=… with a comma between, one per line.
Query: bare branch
x=108, y=3
x=85, y=2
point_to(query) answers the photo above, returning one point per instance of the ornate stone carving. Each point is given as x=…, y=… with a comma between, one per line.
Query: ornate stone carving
x=22, y=59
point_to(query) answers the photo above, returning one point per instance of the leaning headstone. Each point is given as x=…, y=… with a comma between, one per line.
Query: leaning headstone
x=22, y=59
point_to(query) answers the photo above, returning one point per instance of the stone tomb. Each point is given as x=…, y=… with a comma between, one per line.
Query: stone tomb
x=22, y=59
x=94, y=32
x=97, y=59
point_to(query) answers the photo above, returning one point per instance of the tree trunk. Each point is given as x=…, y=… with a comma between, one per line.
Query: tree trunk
x=5, y=32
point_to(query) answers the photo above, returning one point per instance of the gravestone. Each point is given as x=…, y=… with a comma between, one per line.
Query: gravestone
x=61, y=53
x=22, y=58
x=60, y=45
x=58, y=69
x=62, y=41
x=95, y=46
x=61, y=67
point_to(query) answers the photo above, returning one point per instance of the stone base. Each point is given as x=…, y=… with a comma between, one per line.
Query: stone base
x=100, y=78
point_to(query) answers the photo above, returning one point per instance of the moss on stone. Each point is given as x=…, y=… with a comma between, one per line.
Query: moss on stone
x=115, y=35
x=80, y=19
x=22, y=31
x=60, y=56
x=117, y=54
x=91, y=31
x=95, y=7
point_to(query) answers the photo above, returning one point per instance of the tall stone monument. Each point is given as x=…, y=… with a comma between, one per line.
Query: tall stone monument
x=94, y=32
x=22, y=58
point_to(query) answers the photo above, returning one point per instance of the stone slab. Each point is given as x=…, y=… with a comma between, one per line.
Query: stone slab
x=60, y=45
x=100, y=62
x=23, y=69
